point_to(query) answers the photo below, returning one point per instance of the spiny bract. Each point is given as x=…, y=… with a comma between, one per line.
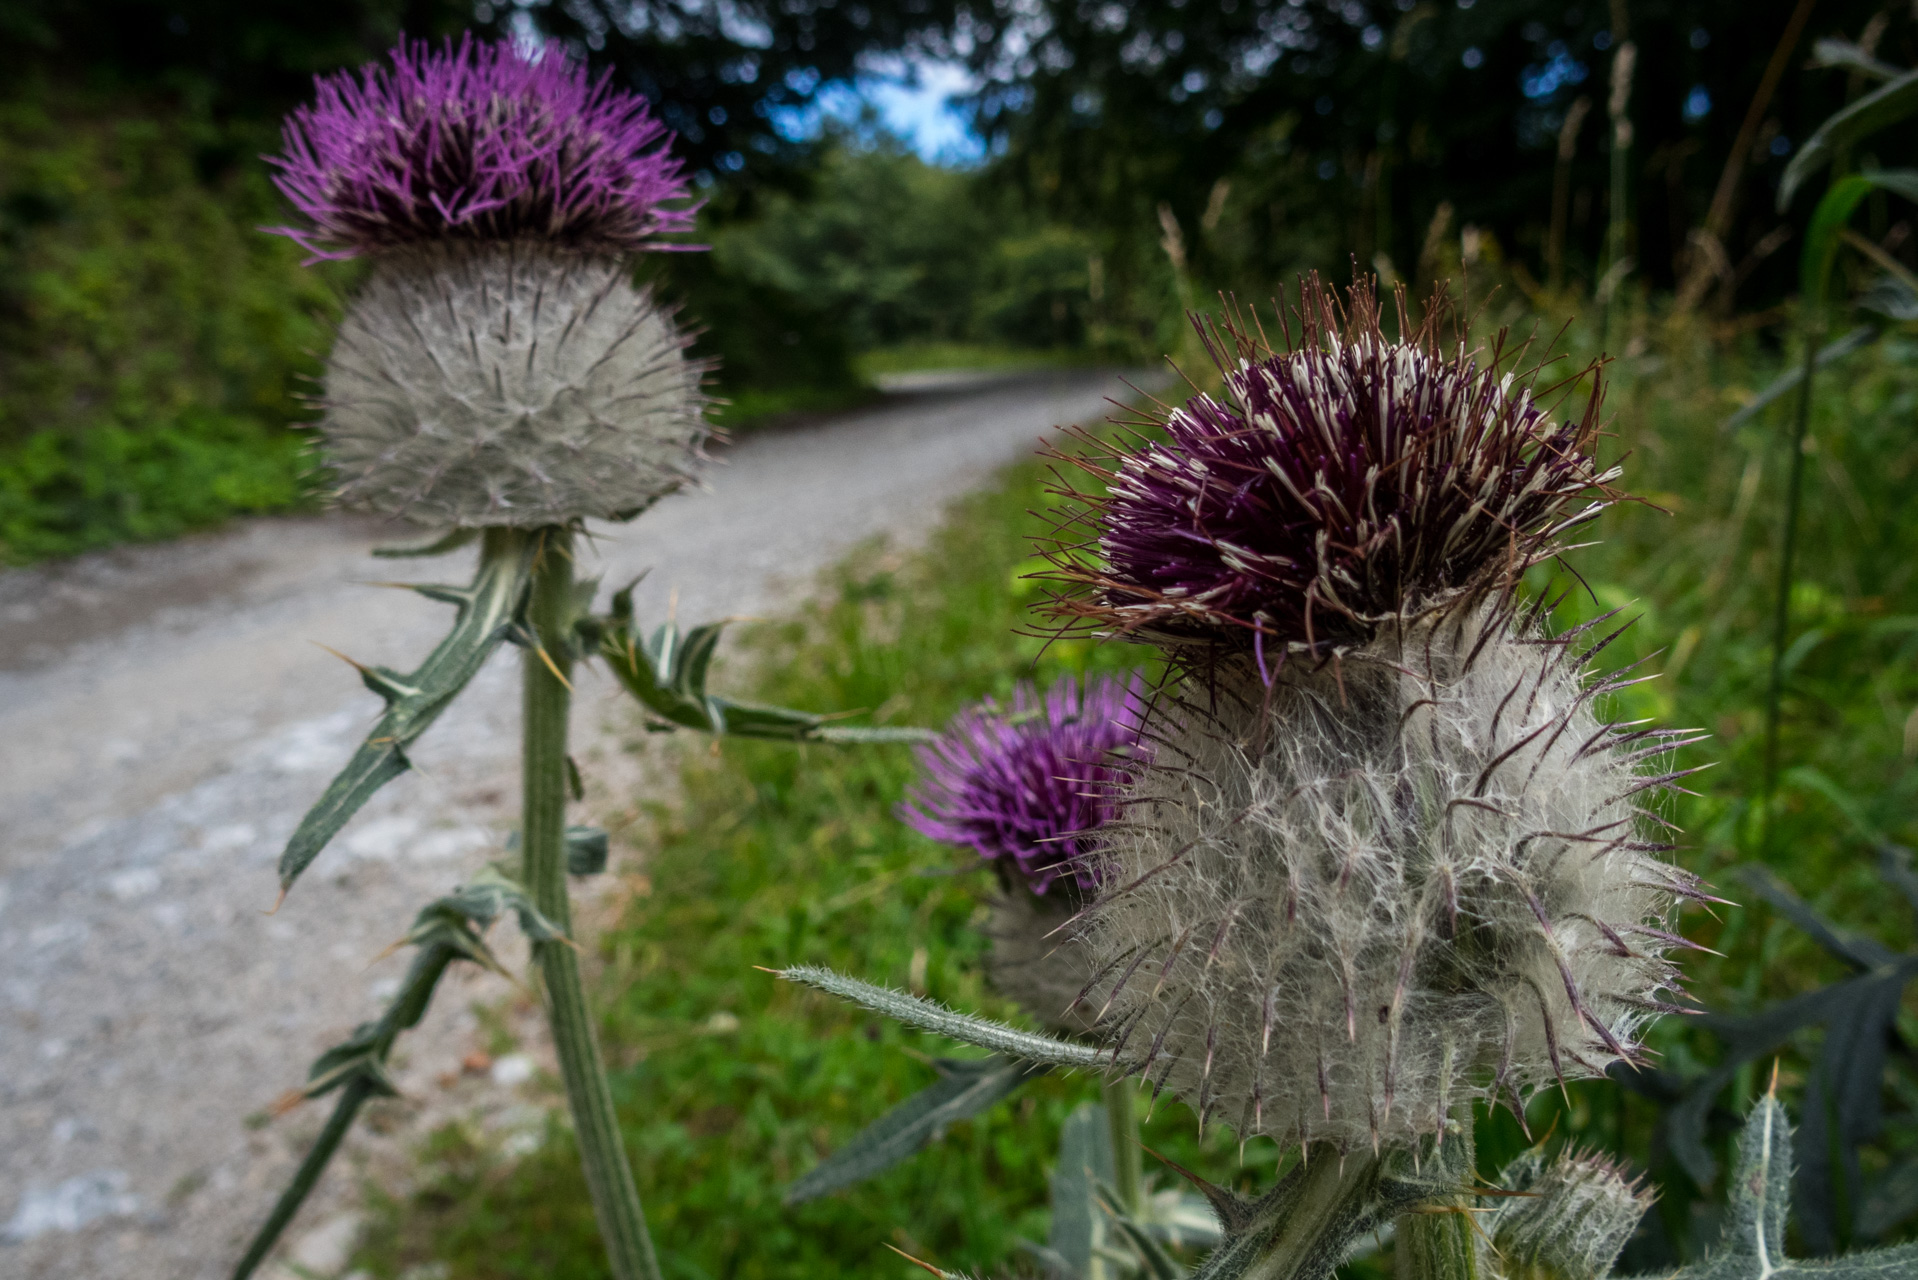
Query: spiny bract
x=1572, y=1218
x=508, y=385
x=1346, y=901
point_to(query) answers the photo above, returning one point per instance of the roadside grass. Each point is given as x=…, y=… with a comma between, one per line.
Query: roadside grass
x=731, y=1083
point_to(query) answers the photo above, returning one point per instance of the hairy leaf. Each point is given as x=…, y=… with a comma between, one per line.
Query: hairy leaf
x=1753, y=1247
x=928, y=1016
x=965, y=1088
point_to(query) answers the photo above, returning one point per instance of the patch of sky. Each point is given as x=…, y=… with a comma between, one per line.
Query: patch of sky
x=1780, y=145
x=1560, y=68
x=912, y=99
x=1473, y=58
x=1698, y=104
x=1699, y=38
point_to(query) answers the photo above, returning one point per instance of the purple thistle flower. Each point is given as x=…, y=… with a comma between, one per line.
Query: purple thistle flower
x=1335, y=484
x=1028, y=788
x=477, y=143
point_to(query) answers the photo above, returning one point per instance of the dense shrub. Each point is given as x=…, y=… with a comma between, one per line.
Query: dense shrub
x=152, y=341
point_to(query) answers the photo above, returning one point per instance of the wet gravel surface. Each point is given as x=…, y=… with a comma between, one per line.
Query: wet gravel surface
x=168, y=713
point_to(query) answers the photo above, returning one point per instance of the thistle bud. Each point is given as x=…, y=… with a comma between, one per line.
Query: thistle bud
x=499, y=367
x=1572, y=1220
x=1028, y=789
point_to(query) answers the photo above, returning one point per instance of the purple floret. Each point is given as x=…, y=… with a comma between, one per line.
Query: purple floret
x=477, y=143
x=1029, y=788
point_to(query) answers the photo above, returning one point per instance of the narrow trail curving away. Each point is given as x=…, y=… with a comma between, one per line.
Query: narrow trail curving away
x=168, y=715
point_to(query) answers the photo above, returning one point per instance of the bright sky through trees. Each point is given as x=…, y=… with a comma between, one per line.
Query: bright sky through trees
x=913, y=99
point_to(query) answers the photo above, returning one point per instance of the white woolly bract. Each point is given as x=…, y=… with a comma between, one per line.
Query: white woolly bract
x=1036, y=961
x=508, y=384
x=1572, y=1221
x=1337, y=908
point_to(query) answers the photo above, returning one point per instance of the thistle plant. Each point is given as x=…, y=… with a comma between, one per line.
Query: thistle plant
x=1385, y=857
x=500, y=378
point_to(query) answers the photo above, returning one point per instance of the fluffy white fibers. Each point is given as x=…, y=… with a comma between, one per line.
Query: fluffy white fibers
x=508, y=384
x=1340, y=906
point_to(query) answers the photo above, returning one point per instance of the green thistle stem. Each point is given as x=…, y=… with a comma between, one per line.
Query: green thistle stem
x=352, y=1096
x=548, y=701
x=1787, y=556
x=1128, y=1155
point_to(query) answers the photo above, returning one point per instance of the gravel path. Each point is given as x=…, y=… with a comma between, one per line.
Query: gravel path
x=168, y=716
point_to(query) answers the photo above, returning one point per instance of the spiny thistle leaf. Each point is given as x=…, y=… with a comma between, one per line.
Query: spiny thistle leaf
x=965, y=1028
x=667, y=672
x=966, y=1087
x=447, y=929
x=1753, y=1247
x=487, y=610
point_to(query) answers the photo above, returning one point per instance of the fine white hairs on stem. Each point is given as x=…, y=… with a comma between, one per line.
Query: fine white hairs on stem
x=509, y=384
x=1342, y=903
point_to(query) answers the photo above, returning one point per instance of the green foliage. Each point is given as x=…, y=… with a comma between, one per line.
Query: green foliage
x=152, y=342
x=897, y=250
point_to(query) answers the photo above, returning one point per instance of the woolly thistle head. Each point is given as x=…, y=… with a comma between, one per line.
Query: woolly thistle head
x=1335, y=483
x=1574, y=1215
x=1028, y=787
x=514, y=384
x=1349, y=897
x=477, y=142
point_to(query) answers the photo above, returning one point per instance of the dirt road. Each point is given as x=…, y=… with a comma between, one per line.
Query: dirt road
x=167, y=716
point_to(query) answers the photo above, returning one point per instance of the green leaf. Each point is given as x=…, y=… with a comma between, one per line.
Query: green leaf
x=586, y=850
x=445, y=930
x=667, y=674
x=1085, y=1161
x=965, y=1088
x=1753, y=1247
x=965, y=1028
x=1831, y=353
x=452, y=541
x=1883, y=106
x=1828, y=220
x=486, y=610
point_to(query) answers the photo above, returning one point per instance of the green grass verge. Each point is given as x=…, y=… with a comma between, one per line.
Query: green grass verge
x=780, y=857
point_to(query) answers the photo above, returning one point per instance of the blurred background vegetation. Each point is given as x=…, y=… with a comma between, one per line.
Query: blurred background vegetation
x=1129, y=160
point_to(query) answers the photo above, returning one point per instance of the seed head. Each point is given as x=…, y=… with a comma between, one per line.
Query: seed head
x=1342, y=902
x=1027, y=787
x=477, y=142
x=512, y=384
x=1578, y=1211
x=1336, y=483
